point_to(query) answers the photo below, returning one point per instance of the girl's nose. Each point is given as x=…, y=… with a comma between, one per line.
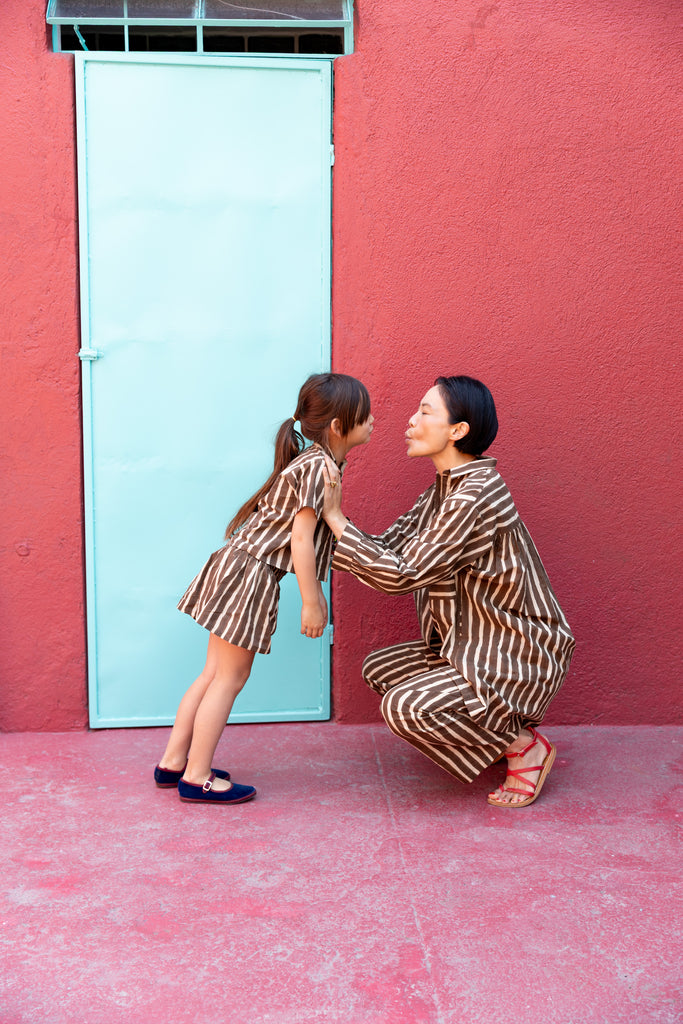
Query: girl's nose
x=411, y=421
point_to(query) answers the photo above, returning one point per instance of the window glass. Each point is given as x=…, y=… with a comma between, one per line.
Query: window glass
x=309, y=10
x=76, y=9
x=163, y=9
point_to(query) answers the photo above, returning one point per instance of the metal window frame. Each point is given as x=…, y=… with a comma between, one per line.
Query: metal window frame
x=199, y=23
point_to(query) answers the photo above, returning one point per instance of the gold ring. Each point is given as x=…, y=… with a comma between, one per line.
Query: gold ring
x=333, y=483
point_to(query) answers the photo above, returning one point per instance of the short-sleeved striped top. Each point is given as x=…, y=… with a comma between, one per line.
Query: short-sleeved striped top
x=479, y=585
x=267, y=533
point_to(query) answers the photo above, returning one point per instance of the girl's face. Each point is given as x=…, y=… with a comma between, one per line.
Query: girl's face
x=429, y=432
x=360, y=434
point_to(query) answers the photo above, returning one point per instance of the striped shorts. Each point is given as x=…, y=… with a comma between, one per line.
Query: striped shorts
x=424, y=702
x=236, y=597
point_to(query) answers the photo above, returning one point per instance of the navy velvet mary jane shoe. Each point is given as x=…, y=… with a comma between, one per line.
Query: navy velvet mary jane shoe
x=208, y=795
x=166, y=779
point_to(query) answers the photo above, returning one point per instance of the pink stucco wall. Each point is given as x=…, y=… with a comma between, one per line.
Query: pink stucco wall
x=505, y=206
x=42, y=627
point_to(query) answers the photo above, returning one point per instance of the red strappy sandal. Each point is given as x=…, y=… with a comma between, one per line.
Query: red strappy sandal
x=519, y=772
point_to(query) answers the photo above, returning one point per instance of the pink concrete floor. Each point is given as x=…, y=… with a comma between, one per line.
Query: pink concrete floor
x=362, y=886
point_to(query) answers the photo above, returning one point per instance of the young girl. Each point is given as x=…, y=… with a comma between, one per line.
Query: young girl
x=235, y=596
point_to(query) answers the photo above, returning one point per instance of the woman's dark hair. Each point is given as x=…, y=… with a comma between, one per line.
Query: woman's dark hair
x=324, y=397
x=470, y=401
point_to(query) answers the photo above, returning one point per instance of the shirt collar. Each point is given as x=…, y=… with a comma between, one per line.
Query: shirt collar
x=483, y=462
x=328, y=451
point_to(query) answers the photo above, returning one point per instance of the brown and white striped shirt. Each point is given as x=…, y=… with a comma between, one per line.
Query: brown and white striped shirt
x=267, y=534
x=479, y=585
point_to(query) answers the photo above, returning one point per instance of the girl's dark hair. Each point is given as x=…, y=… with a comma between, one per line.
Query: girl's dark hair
x=470, y=401
x=323, y=398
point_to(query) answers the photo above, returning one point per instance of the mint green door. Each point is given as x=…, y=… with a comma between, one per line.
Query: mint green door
x=204, y=205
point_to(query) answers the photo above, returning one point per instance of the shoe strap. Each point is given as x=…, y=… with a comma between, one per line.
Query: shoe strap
x=536, y=738
x=518, y=772
x=509, y=789
x=208, y=785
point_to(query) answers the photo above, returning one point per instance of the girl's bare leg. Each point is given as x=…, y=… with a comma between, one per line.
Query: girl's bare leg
x=175, y=755
x=230, y=671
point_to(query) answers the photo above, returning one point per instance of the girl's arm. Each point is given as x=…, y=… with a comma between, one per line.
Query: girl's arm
x=313, y=609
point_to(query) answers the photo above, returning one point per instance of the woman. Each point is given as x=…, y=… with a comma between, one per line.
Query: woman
x=495, y=645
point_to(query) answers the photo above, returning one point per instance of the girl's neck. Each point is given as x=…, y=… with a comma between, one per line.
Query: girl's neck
x=338, y=449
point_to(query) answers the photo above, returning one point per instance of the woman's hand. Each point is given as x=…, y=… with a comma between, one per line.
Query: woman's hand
x=332, y=513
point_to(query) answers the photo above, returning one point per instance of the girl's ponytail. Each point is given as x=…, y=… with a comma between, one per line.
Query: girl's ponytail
x=288, y=444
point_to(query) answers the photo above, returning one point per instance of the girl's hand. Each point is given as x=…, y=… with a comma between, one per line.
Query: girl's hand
x=313, y=620
x=323, y=605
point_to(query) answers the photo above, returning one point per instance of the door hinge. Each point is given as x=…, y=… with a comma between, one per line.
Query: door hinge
x=89, y=354
x=330, y=634
x=332, y=154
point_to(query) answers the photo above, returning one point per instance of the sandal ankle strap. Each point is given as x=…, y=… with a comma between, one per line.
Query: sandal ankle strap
x=535, y=738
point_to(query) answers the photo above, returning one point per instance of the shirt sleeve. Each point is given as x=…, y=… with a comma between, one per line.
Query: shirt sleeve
x=308, y=486
x=451, y=540
x=406, y=525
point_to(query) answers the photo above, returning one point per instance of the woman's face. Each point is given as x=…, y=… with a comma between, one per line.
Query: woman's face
x=429, y=432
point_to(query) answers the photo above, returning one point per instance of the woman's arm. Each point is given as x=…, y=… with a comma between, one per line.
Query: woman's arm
x=313, y=610
x=394, y=536
x=455, y=536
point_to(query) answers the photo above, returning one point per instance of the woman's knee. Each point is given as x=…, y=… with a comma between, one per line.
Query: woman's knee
x=371, y=671
x=392, y=713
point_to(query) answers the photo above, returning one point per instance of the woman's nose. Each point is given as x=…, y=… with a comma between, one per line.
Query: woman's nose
x=411, y=421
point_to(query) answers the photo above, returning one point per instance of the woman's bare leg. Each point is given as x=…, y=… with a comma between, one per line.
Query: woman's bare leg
x=229, y=672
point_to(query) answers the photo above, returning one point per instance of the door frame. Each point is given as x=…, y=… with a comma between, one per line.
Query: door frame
x=88, y=354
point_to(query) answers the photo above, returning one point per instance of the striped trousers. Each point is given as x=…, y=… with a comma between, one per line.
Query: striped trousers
x=424, y=702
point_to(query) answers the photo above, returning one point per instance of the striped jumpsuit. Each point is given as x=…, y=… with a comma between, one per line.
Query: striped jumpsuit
x=495, y=644
x=236, y=594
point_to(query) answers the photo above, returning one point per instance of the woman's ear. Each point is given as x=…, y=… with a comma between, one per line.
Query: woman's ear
x=459, y=430
x=335, y=427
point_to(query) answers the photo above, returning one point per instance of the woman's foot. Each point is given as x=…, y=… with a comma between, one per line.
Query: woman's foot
x=530, y=759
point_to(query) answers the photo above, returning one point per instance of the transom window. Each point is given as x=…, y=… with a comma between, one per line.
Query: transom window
x=306, y=27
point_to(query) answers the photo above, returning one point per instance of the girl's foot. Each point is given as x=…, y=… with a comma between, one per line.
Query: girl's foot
x=168, y=778
x=215, y=790
x=169, y=765
x=528, y=767
x=218, y=784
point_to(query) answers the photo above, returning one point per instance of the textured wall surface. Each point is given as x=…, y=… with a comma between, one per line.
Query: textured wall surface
x=504, y=206
x=42, y=635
